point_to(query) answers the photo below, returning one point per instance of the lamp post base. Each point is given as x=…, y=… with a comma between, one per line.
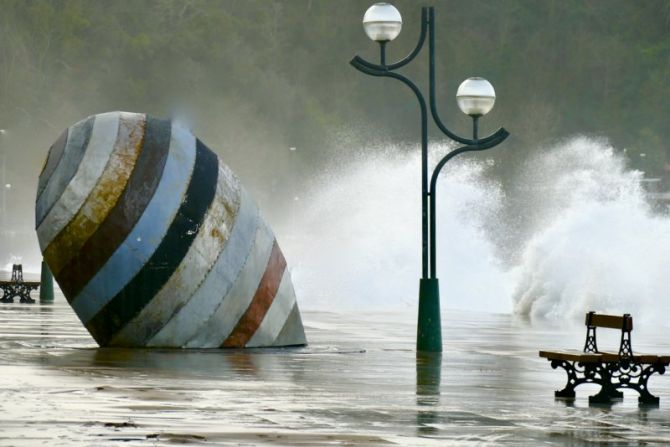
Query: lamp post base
x=429, y=329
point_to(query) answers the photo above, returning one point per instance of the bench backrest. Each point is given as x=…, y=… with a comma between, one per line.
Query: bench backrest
x=17, y=272
x=624, y=323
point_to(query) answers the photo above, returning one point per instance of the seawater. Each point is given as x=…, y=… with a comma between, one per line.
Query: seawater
x=359, y=382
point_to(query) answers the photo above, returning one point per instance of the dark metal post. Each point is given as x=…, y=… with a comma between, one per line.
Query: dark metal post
x=429, y=332
x=46, y=284
x=429, y=324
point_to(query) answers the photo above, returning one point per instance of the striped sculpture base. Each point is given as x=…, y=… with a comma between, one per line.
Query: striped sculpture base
x=154, y=242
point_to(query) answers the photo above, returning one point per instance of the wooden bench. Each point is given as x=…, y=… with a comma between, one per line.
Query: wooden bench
x=17, y=287
x=613, y=371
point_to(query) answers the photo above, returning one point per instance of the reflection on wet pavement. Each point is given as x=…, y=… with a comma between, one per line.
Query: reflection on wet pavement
x=359, y=382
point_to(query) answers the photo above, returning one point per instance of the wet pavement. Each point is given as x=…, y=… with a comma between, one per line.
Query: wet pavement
x=359, y=382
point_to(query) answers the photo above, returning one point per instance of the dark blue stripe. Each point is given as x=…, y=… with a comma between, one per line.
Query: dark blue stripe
x=80, y=135
x=128, y=303
x=55, y=154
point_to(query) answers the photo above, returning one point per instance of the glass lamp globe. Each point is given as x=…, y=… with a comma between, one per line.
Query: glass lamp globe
x=475, y=96
x=382, y=22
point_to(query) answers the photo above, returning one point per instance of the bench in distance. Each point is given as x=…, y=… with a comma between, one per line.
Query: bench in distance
x=613, y=371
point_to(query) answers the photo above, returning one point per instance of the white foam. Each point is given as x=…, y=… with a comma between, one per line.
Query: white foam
x=581, y=232
x=597, y=244
x=355, y=242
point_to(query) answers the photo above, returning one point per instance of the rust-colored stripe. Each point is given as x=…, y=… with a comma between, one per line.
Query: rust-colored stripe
x=267, y=290
x=102, y=198
x=123, y=217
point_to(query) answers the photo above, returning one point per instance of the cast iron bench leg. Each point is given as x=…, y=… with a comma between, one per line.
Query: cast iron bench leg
x=606, y=395
x=6, y=295
x=608, y=391
x=646, y=398
x=578, y=373
x=569, y=391
x=642, y=383
x=26, y=299
x=24, y=293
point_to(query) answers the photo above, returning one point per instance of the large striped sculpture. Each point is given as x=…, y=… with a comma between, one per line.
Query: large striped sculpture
x=154, y=242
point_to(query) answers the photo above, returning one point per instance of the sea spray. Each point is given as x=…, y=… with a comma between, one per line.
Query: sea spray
x=584, y=236
x=357, y=235
x=596, y=243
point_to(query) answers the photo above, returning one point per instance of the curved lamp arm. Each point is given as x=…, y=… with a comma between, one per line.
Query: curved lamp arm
x=433, y=193
x=427, y=26
x=471, y=145
x=433, y=102
x=500, y=136
x=380, y=71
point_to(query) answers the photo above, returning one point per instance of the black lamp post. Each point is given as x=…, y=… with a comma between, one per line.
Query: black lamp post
x=382, y=23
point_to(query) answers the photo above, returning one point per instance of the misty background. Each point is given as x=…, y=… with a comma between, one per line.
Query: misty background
x=267, y=85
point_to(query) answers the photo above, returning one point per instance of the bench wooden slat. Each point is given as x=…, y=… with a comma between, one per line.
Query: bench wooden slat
x=571, y=355
x=637, y=357
x=610, y=321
